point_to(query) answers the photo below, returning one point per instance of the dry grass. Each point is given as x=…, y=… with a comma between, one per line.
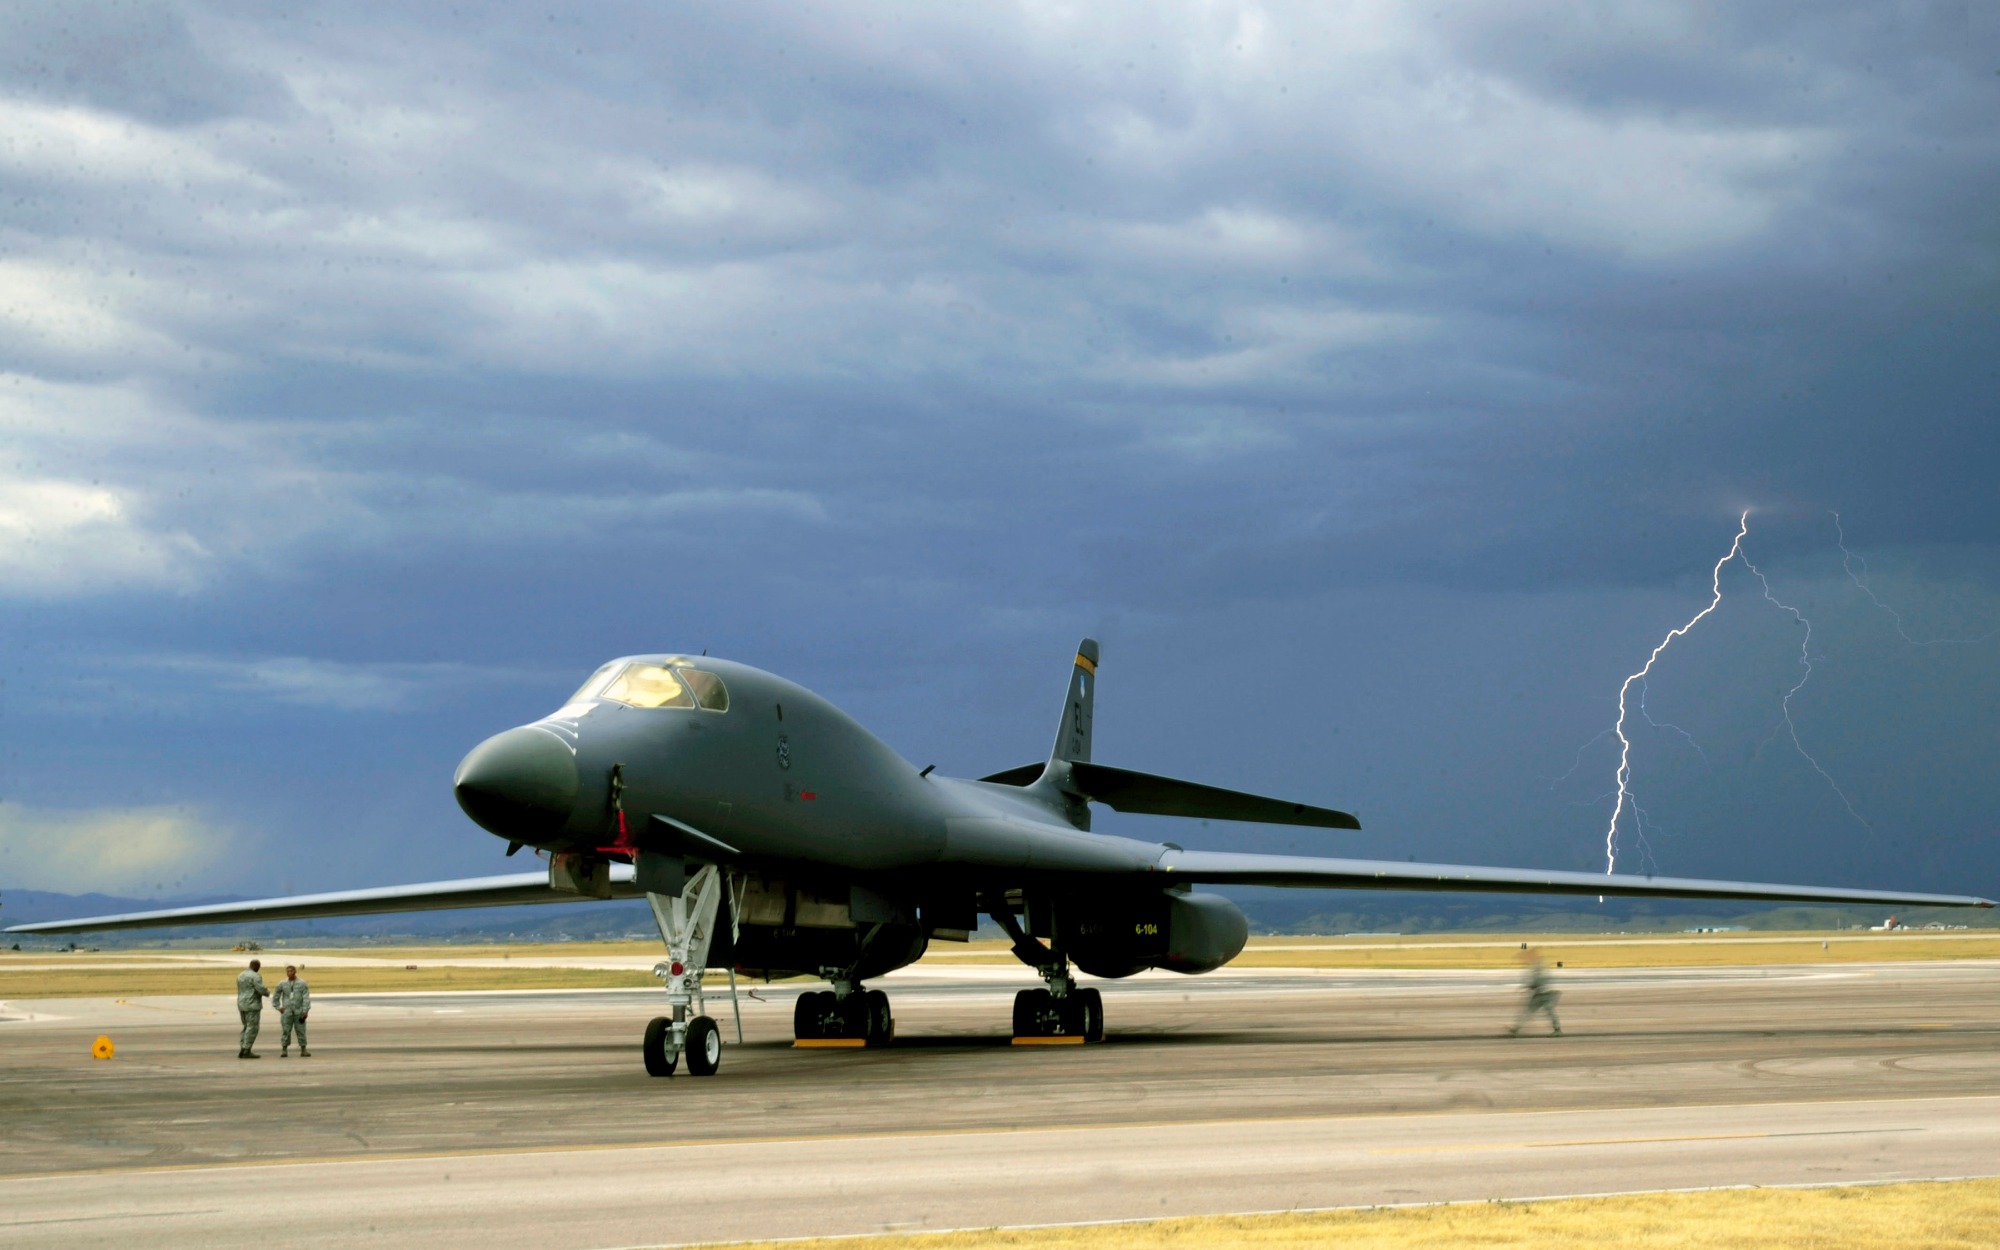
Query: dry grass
x=1721, y=950
x=109, y=974
x=217, y=979
x=1957, y=1215
x=1613, y=953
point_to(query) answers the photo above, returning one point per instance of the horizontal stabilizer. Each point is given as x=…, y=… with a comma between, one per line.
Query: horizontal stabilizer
x=1123, y=790
x=510, y=890
x=1244, y=868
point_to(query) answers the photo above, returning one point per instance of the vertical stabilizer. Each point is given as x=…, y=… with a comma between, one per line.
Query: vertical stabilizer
x=1073, y=735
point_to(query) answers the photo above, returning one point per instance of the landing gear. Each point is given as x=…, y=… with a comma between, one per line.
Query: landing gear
x=1063, y=1009
x=704, y=1047
x=659, y=1060
x=687, y=925
x=857, y=1015
x=1079, y=1012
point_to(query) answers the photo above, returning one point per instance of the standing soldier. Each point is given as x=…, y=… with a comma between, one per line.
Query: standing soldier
x=293, y=1000
x=250, y=994
x=1535, y=984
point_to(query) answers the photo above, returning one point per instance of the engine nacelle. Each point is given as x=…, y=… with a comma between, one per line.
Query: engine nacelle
x=1178, y=932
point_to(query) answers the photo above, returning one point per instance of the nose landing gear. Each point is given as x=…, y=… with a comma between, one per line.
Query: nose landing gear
x=687, y=925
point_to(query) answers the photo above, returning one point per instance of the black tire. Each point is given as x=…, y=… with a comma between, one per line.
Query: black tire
x=658, y=1062
x=704, y=1047
x=1093, y=1014
x=805, y=1016
x=854, y=1016
x=1031, y=1012
x=881, y=1024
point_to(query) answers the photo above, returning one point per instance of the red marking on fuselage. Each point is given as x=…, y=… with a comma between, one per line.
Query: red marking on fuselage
x=807, y=795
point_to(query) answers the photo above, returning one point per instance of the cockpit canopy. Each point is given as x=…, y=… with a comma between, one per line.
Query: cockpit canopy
x=669, y=682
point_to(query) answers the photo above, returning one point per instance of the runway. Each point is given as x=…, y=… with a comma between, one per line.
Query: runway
x=523, y=1119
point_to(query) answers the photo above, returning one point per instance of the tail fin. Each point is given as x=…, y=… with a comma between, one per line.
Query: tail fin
x=1073, y=735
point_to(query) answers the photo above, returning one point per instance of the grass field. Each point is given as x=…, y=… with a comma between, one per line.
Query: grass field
x=376, y=969
x=1708, y=950
x=1953, y=1215
x=85, y=982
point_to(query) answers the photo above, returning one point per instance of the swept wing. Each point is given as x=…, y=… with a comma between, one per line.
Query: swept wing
x=1193, y=867
x=1312, y=872
x=508, y=890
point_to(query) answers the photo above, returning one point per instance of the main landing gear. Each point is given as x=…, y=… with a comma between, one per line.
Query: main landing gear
x=845, y=1012
x=1061, y=1010
x=687, y=924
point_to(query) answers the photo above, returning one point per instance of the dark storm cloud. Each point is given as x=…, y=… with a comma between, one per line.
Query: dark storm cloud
x=370, y=346
x=131, y=58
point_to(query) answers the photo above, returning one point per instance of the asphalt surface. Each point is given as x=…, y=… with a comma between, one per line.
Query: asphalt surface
x=525, y=1119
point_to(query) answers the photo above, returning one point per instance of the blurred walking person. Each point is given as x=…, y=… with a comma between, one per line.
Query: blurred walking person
x=293, y=1000
x=1539, y=997
x=250, y=995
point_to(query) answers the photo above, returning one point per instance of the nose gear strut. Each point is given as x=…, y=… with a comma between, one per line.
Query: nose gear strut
x=687, y=925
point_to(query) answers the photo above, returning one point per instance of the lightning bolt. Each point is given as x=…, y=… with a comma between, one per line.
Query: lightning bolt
x=1857, y=571
x=1848, y=560
x=1624, y=776
x=1805, y=662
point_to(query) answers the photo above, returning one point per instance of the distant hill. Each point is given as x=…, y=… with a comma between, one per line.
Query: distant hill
x=1364, y=911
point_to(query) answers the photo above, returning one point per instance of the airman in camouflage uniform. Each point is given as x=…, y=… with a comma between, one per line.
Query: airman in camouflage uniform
x=250, y=994
x=293, y=1000
x=1535, y=983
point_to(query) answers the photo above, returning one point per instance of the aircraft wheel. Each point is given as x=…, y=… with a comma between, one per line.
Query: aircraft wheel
x=658, y=1062
x=881, y=1024
x=1092, y=1003
x=1031, y=1009
x=825, y=1012
x=856, y=1017
x=805, y=1016
x=704, y=1047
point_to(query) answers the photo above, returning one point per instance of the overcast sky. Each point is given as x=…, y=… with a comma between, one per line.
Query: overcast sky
x=1380, y=383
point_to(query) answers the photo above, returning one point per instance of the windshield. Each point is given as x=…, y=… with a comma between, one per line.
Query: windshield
x=590, y=689
x=648, y=685
x=708, y=689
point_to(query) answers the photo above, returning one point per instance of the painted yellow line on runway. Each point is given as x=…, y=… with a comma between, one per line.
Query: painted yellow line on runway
x=1549, y=1145
x=1633, y=1141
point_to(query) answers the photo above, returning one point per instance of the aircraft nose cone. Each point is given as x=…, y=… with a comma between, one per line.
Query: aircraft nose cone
x=520, y=784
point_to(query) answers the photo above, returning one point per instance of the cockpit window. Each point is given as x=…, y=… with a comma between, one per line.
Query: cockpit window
x=591, y=688
x=648, y=685
x=708, y=689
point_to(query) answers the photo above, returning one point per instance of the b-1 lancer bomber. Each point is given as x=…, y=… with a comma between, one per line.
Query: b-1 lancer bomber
x=772, y=835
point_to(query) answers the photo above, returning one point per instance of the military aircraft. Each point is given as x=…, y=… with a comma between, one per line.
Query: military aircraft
x=773, y=835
